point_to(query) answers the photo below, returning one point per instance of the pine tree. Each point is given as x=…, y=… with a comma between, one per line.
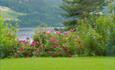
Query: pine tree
x=79, y=9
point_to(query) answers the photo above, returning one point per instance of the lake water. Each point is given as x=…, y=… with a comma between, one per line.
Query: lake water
x=24, y=33
x=28, y=32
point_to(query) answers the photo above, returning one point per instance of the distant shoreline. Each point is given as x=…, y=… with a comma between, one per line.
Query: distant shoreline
x=28, y=32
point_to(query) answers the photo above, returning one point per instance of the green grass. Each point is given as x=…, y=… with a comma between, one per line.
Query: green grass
x=78, y=63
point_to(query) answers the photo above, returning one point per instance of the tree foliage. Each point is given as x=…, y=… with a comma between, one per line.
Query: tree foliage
x=79, y=9
x=7, y=38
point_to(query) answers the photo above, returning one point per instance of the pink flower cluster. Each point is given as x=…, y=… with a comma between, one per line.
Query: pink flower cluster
x=34, y=43
x=56, y=32
x=23, y=41
x=55, y=46
x=48, y=32
x=53, y=40
x=21, y=49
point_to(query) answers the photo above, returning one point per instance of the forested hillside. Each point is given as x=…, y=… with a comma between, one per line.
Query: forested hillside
x=38, y=12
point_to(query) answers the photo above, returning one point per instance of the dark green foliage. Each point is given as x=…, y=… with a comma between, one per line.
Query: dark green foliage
x=75, y=9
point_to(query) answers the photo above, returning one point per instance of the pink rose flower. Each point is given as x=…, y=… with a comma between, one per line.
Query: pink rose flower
x=48, y=32
x=34, y=43
x=58, y=32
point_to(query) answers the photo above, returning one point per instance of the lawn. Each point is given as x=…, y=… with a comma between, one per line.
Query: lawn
x=78, y=63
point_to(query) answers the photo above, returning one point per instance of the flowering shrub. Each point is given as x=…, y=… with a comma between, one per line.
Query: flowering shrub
x=88, y=39
x=52, y=44
x=57, y=43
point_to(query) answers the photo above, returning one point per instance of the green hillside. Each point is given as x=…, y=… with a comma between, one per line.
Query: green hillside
x=9, y=14
x=39, y=12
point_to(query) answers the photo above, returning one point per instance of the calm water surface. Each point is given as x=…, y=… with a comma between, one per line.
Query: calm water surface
x=24, y=33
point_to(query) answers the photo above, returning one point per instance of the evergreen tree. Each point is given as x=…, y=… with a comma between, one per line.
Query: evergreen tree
x=79, y=9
